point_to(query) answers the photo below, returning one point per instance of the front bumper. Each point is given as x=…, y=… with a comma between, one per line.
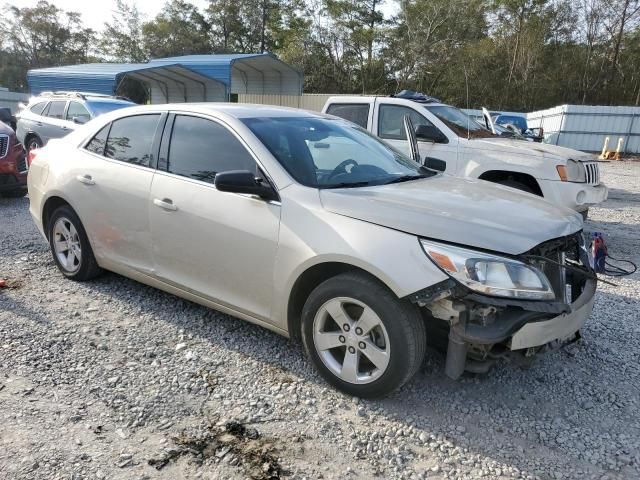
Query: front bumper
x=577, y=196
x=535, y=334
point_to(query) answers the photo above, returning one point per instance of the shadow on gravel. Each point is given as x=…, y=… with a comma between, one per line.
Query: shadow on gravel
x=20, y=308
x=557, y=409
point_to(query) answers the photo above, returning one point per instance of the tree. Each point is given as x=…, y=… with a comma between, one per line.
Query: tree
x=179, y=29
x=122, y=39
x=41, y=36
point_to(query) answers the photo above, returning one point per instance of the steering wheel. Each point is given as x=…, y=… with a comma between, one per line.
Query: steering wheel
x=342, y=168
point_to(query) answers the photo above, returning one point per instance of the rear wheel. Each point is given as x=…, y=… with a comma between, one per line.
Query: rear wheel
x=360, y=337
x=32, y=142
x=70, y=246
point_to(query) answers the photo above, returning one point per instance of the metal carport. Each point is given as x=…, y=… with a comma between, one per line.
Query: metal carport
x=168, y=83
x=244, y=73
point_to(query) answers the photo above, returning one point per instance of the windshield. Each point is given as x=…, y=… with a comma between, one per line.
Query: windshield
x=327, y=153
x=458, y=121
x=101, y=107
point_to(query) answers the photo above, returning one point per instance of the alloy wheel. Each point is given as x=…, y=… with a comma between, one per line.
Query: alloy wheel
x=66, y=244
x=351, y=340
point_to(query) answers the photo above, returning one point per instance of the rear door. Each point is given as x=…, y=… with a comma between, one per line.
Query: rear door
x=221, y=246
x=109, y=188
x=53, y=123
x=389, y=126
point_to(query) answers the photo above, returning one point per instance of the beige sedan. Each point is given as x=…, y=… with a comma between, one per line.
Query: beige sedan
x=310, y=226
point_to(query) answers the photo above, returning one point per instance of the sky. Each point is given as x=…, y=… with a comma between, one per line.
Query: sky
x=96, y=12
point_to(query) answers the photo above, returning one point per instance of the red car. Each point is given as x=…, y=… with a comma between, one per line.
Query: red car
x=13, y=164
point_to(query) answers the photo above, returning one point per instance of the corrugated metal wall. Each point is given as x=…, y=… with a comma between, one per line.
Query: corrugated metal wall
x=586, y=127
x=307, y=101
x=12, y=99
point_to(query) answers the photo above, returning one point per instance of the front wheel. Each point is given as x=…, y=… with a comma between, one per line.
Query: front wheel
x=517, y=185
x=70, y=246
x=362, y=339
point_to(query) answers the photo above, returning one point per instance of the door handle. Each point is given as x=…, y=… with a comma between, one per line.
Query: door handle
x=165, y=204
x=86, y=179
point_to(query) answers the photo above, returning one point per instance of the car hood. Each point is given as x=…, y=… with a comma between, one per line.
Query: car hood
x=463, y=211
x=517, y=147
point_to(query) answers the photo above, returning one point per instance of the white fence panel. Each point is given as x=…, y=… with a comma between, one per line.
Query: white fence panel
x=585, y=127
x=12, y=99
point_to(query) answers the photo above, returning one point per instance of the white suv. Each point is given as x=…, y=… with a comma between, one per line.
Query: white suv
x=563, y=176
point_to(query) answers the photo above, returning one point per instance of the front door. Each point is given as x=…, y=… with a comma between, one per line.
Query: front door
x=390, y=127
x=221, y=246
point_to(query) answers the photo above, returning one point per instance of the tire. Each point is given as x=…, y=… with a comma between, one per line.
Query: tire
x=517, y=185
x=396, y=342
x=32, y=142
x=66, y=233
x=17, y=193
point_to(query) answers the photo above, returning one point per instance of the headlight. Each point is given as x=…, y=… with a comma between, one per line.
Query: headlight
x=490, y=274
x=572, y=172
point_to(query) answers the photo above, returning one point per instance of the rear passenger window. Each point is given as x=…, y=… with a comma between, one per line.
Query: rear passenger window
x=97, y=143
x=354, y=112
x=200, y=149
x=131, y=139
x=38, y=108
x=56, y=109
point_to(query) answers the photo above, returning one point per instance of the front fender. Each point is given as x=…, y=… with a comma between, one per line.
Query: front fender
x=477, y=163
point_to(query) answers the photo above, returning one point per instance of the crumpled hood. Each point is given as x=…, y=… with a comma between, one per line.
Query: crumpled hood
x=463, y=211
x=519, y=147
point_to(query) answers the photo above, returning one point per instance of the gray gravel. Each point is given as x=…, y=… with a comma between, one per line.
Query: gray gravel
x=98, y=380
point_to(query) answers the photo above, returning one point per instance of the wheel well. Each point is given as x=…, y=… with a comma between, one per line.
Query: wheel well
x=498, y=176
x=305, y=284
x=49, y=207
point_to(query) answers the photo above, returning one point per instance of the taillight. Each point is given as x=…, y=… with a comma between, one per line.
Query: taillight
x=31, y=156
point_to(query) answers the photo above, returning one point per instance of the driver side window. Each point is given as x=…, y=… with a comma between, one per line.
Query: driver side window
x=391, y=121
x=201, y=148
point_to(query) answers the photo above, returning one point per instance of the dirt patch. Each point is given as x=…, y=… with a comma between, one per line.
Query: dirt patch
x=234, y=443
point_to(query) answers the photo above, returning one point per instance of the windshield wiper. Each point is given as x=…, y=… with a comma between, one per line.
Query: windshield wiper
x=405, y=178
x=346, y=185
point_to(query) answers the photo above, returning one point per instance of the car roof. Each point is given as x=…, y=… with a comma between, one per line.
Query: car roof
x=237, y=110
x=109, y=100
x=387, y=98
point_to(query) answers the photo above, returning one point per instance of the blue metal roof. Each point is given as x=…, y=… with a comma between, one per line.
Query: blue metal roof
x=104, y=77
x=89, y=77
x=219, y=66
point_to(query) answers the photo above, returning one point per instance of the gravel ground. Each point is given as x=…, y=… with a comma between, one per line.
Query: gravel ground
x=113, y=379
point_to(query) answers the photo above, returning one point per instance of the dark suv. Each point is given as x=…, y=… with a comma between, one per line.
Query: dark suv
x=13, y=164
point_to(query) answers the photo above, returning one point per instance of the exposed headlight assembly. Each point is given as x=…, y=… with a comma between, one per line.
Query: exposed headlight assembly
x=572, y=172
x=490, y=274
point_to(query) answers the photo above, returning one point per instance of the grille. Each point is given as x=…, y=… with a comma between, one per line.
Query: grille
x=592, y=173
x=22, y=164
x=4, y=145
x=566, y=284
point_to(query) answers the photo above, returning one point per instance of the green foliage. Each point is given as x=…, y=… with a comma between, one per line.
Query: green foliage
x=505, y=54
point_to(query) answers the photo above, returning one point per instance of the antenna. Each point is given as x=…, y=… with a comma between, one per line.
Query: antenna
x=466, y=81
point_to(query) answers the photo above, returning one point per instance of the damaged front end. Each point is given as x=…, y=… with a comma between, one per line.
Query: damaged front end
x=495, y=306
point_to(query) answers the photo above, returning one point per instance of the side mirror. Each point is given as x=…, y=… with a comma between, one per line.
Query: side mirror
x=79, y=120
x=430, y=133
x=435, y=164
x=243, y=181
